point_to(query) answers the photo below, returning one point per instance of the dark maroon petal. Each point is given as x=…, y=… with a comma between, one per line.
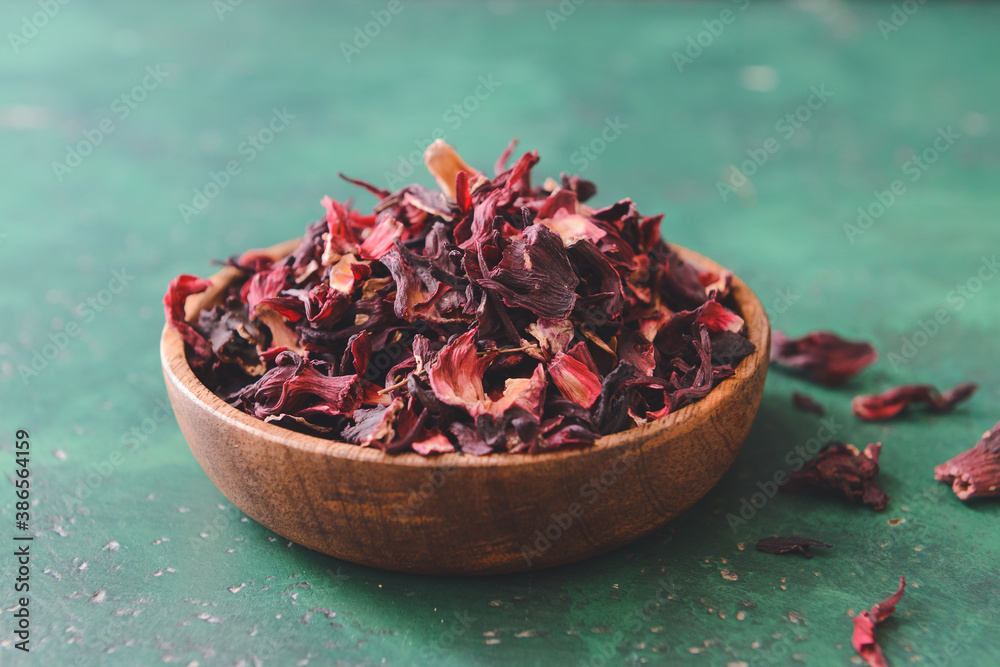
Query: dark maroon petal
x=377, y=191
x=784, y=545
x=649, y=398
x=573, y=435
x=822, y=356
x=895, y=401
x=611, y=409
x=807, y=404
x=683, y=284
x=294, y=384
x=470, y=440
x=639, y=352
x=729, y=348
x=600, y=295
x=842, y=469
x=533, y=273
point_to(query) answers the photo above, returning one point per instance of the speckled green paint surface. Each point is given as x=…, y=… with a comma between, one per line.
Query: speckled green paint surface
x=138, y=559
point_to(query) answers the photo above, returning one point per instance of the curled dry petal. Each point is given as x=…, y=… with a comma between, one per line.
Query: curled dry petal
x=456, y=377
x=178, y=291
x=895, y=401
x=975, y=473
x=844, y=470
x=822, y=356
x=294, y=384
x=381, y=239
x=575, y=380
x=863, y=638
x=533, y=273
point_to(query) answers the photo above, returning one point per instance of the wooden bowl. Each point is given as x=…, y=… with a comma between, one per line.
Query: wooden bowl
x=455, y=514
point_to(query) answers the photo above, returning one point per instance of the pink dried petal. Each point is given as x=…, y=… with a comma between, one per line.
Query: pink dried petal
x=572, y=227
x=863, y=638
x=265, y=285
x=381, y=239
x=553, y=336
x=717, y=318
x=433, y=444
x=974, y=473
x=575, y=380
x=527, y=393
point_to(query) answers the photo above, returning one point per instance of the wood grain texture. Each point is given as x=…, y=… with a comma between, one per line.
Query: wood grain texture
x=454, y=514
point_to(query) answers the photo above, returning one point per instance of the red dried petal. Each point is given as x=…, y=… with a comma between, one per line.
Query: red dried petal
x=718, y=318
x=381, y=239
x=974, y=473
x=895, y=401
x=863, y=638
x=340, y=236
x=178, y=291
x=456, y=376
x=575, y=380
x=823, y=356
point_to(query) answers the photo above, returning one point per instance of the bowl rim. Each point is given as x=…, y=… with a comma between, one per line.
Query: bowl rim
x=178, y=372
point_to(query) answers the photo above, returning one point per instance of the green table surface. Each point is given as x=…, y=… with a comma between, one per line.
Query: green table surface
x=138, y=559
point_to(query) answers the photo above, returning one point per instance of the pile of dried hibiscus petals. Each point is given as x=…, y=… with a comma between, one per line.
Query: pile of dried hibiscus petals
x=490, y=316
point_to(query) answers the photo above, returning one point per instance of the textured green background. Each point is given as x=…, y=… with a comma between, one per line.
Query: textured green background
x=783, y=233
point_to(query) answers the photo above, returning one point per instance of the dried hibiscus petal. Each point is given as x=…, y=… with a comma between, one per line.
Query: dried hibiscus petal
x=577, y=379
x=807, y=404
x=975, y=473
x=178, y=291
x=895, y=401
x=295, y=384
x=784, y=545
x=823, y=356
x=863, y=638
x=841, y=468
